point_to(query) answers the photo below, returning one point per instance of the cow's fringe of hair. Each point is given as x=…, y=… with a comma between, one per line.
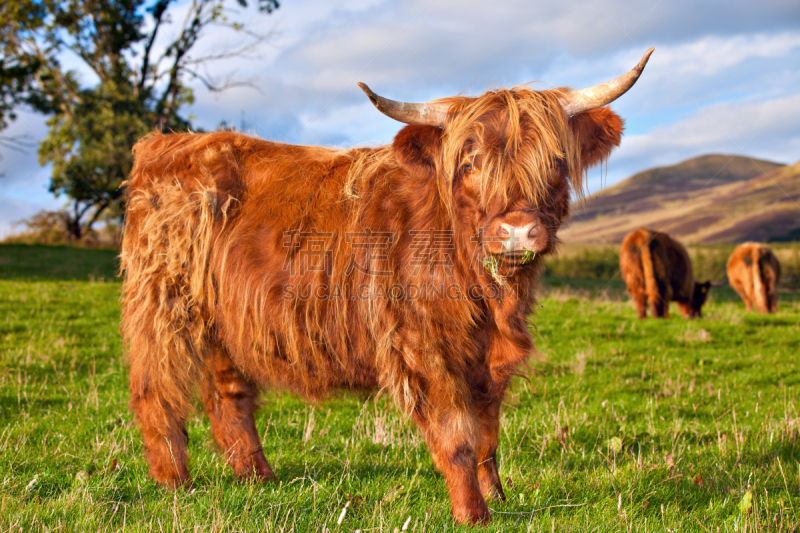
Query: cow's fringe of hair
x=537, y=127
x=539, y=138
x=165, y=291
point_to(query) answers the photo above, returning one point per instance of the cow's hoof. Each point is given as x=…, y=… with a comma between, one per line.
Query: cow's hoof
x=477, y=514
x=170, y=478
x=176, y=484
x=254, y=469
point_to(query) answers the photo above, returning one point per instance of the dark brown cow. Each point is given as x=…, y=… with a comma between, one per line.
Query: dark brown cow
x=657, y=268
x=754, y=272
x=409, y=268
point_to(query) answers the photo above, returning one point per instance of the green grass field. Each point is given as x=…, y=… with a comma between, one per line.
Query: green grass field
x=623, y=425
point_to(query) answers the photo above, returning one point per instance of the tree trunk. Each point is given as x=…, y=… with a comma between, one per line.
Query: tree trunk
x=75, y=231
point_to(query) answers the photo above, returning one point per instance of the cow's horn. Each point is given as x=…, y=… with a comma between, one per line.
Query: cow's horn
x=593, y=97
x=428, y=114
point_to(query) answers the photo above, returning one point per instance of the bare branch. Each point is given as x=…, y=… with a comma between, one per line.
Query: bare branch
x=180, y=47
x=158, y=13
x=241, y=51
x=215, y=85
x=99, y=209
x=18, y=143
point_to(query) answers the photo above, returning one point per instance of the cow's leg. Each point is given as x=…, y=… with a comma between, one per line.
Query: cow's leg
x=230, y=401
x=450, y=435
x=161, y=410
x=488, y=475
x=660, y=307
x=640, y=302
x=748, y=305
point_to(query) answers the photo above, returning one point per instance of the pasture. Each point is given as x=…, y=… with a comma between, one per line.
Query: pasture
x=619, y=425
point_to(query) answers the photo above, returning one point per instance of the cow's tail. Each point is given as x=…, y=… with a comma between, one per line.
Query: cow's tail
x=650, y=283
x=758, y=259
x=167, y=290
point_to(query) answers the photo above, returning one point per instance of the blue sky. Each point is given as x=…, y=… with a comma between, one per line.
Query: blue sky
x=724, y=78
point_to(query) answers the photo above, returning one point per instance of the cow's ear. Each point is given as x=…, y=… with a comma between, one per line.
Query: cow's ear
x=597, y=132
x=417, y=148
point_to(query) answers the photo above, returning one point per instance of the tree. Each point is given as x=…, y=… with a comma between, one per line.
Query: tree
x=142, y=73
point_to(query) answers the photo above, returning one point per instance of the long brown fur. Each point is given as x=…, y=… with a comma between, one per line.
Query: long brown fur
x=657, y=268
x=244, y=269
x=754, y=272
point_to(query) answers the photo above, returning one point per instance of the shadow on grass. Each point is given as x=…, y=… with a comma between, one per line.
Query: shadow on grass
x=37, y=262
x=11, y=406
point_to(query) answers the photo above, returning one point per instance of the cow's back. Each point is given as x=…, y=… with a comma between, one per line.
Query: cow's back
x=630, y=260
x=206, y=221
x=654, y=263
x=754, y=271
x=236, y=167
x=677, y=267
x=740, y=272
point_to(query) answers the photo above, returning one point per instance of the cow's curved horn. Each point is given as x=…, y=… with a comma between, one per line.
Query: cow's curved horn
x=593, y=97
x=428, y=114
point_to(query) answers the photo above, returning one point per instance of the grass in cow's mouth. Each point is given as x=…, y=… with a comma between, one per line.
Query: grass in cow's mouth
x=528, y=256
x=624, y=424
x=492, y=265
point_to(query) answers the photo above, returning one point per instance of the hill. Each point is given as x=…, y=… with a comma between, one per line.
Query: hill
x=711, y=199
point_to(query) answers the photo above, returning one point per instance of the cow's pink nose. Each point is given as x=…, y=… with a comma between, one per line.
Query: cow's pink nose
x=520, y=232
x=519, y=237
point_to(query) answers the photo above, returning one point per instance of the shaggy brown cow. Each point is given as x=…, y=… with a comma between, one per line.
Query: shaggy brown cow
x=658, y=268
x=754, y=271
x=409, y=268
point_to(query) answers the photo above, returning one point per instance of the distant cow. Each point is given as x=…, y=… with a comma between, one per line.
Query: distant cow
x=409, y=268
x=754, y=271
x=657, y=268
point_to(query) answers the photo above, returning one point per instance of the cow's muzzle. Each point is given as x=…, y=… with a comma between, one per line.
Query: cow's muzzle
x=531, y=237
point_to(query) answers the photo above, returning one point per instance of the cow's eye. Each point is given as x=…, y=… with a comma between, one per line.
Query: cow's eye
x=468, y=167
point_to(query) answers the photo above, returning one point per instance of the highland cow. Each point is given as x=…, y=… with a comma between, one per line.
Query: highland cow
x=409, y=268
x=657, y=268
x=754, y=272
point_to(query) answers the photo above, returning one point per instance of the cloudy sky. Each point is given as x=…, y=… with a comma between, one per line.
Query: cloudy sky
x=724, y=78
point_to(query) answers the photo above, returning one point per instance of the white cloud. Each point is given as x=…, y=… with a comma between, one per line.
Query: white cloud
x=729, y=127
x=765, y=130
x=710, y=55
x=698, y=72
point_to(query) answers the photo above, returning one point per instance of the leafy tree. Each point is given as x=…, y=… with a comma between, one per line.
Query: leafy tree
x=142, y=60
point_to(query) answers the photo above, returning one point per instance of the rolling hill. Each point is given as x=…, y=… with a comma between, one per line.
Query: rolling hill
x=711, y=199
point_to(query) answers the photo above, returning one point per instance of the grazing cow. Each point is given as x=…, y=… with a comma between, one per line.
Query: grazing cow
x=656, y=267
x=409, y=268
x=754, y=272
